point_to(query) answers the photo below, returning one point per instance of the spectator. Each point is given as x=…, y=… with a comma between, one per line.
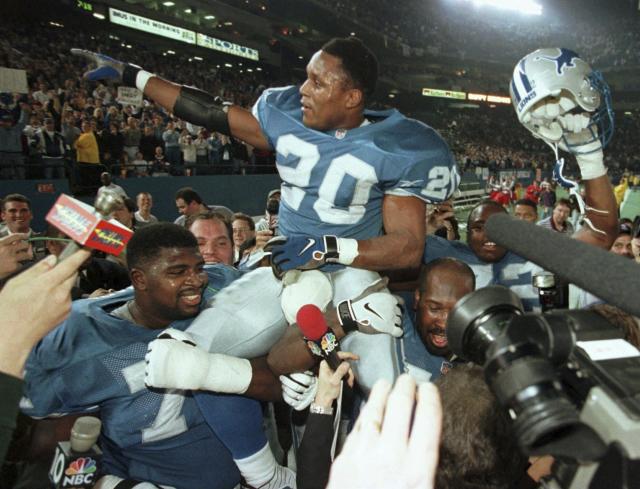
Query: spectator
x=143, y=215
x=526, y=210
x=140, y=166
x=213, y=233
x=149, y=142
x=244, y=229
x=188, y=154
x=189, y=203
x=88, y=159
x=11, y=157
x=160, y=167
x=559, y=219
x=131, y=137
x=171, y=139
x=51, y=144
x=109, y=186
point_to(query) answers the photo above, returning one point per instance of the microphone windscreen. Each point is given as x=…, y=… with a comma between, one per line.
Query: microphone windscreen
x=612, y=278
x=311, y=322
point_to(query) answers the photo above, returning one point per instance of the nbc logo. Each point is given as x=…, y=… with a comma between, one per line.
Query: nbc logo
x=84, y=465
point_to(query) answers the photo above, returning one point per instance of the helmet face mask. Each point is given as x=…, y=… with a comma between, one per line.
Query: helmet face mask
x=550, y=83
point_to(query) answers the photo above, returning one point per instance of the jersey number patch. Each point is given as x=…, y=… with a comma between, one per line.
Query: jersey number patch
x=298, y=177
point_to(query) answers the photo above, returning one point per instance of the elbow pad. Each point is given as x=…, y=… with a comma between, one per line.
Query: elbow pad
x=202, y=109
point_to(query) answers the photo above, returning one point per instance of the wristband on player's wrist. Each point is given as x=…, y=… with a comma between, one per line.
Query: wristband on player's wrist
x=340, y=250
x=345, y=316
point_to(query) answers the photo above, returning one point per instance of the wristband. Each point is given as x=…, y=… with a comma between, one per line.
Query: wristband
x=130, y=74
x=142, y=78
x=228, y=374
x=591, y=165
x=345, y=316
x=347, y=250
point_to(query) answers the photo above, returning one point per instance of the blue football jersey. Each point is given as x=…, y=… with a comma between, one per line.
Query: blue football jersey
x=512, y=271
x=334, y=182
x=95, y=361
x=414, y=358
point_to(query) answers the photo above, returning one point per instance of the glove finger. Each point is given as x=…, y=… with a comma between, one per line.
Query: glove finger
x=396, y=332
x=302, y=378
x=292, y=393
x=291, y=384
x=83, y=53
x=176, y=334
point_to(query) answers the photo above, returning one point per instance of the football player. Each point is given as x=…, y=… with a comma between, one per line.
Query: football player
x=355, y=181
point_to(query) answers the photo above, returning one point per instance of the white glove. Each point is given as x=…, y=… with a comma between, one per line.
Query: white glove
x=299, y=389
x=585, y=144
x=379, y=312
x=174, y=361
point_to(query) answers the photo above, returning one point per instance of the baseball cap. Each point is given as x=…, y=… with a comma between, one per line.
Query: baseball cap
x=273, y=192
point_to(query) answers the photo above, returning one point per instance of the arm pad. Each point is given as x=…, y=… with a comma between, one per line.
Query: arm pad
x=202, y=109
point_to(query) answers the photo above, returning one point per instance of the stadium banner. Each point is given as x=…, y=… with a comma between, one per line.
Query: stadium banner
x=209, y=42
x=434, y=92
x=129, y=96
x=151, y=26
x=13, y=81
x=492, y=99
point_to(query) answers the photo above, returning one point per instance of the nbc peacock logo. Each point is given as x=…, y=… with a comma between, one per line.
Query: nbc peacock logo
x=83, y=465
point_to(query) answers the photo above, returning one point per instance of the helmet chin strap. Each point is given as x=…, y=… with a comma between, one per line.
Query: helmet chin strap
x=573, y=189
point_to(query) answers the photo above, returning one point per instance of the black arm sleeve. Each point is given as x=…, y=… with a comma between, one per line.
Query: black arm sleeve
x=202, y=109
x=314, y=454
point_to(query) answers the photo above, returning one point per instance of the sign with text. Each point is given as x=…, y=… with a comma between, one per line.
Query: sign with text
x=434, y=92
x=226, y=47
x=151, y=26
x=13, y=81
x=492, y=99
x=129, y=96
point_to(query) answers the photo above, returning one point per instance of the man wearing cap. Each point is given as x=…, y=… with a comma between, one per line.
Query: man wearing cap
x=11, y=157
x=50, y=143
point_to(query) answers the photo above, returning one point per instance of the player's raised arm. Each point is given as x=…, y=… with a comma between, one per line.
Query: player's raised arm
x=189, y=103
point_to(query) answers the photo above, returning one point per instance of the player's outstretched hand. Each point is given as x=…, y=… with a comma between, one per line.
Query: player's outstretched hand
x=298, y=252
x=106, y=68
x=33, y=302
x=390, y=446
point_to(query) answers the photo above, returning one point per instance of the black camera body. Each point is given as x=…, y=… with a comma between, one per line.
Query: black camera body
x=567, y=379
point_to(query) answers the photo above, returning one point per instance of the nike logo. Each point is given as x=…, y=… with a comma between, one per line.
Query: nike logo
x=311, y=242
x=367, y=306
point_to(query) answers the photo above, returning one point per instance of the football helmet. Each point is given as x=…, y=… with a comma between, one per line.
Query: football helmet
x=553, y=91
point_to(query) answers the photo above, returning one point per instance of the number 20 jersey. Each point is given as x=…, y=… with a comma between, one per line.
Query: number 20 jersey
x=334, y=181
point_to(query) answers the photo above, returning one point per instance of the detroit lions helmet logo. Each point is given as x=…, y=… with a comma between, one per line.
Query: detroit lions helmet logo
x=565, y=58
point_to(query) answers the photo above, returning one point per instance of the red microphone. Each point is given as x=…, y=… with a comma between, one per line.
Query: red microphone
x=320, y=339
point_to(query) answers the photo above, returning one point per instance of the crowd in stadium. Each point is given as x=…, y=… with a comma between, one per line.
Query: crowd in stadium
x=452, y=32
x=487, y=139
x=308, y=347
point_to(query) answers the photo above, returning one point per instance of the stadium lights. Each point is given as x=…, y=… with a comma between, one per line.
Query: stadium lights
x=197, y=58
x=168, y=4
x=209, y=17
x=187, y=11
x=98, y=16
x=522, y=6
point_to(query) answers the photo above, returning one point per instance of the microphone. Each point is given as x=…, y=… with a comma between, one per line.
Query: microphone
x=78, y=462
x=610, y=277
x=320, y=339
x=88, y=226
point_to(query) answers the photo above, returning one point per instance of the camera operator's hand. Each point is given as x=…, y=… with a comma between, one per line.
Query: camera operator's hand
x=33, y=302
x=14, y=249
x=390, y=446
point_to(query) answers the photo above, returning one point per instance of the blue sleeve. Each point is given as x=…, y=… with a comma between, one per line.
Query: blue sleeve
x=436, y=247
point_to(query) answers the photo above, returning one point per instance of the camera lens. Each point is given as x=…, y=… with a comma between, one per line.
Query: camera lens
x=478, y=319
